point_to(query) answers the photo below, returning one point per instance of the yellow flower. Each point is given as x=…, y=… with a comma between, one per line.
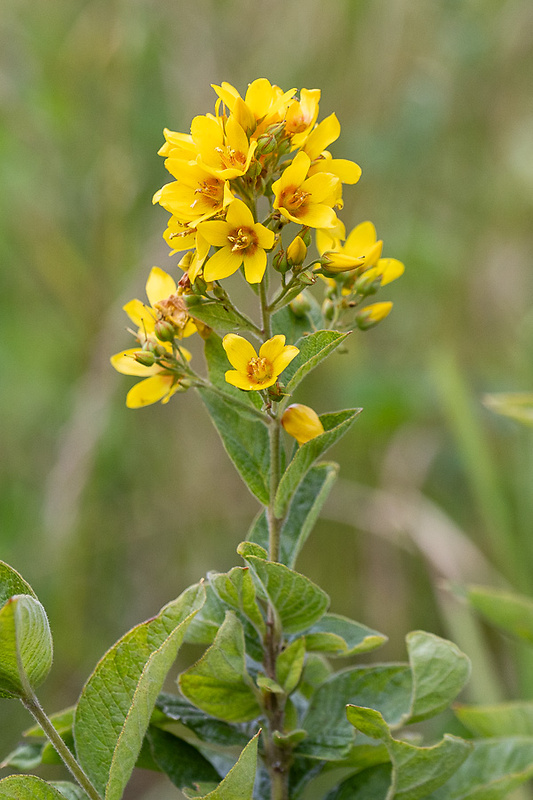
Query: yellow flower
x=361, y=244
x=158, y=383
x=301, y=116
x=306, y=200
x=372, y=314
x=196, y=195
x=388, y=269
x=241, y=241
x=253, y=371
x=263, y=104
x=302, y=423
x=224, y=149
x=165, y=305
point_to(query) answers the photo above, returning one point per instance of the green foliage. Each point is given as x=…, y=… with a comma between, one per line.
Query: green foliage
x=313, y=350
x=339, y=636
x=511, y=612
x=239, y=782
x=28, y=787
x=114, y=709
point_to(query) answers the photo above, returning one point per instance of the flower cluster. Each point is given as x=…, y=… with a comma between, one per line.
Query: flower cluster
x=243, y=177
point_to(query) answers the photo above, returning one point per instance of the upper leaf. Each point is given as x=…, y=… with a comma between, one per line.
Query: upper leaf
x=340, y=636
x=216, y=314
x=313, y=349
x=298, y=601
x=114, y=709
x=12, y=583
x=218, y=683
x=239, y=782
x=503, y=719
x=303, y=512
x=212, y=731
x=335, y=424
x=236, y=588
x=28, y=787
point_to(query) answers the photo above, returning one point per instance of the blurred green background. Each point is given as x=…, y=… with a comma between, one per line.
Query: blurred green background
x=110, y=512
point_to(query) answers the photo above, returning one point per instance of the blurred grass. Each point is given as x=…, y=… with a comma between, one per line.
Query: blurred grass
x=110, y=512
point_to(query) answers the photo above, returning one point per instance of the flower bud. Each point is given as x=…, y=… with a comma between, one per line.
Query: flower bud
x=199, y=287
x=164, y=330
x=157, y=349
x=279, y=262
x=306, y=236
x=367, y=283
x=296, y=252
x=300, y=305
x=307, y=278
x=335, y=262
x=144, y=357
x=370, y=315
x=302, y=423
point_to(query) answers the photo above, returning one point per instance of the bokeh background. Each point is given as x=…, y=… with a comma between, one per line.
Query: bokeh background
x=109, y=512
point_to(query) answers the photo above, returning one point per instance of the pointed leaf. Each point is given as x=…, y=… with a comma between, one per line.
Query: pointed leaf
x=313, y=349
x=503, y=719
x=340, y=636
x=27, y=787
x=298, y=601
x=116, y=703
x=218, y=315
x=417, y=771
x=236, y=588
x=495, y=768
x=386, y=688
x=69, y=790
x=335, y=424
x=513, y=613
x=239, y=782
x=218, y=683
x=182, y=762
x=25, y=645
x=12, y=583
x=303, y=512
x=440, y=670
x=290, y=664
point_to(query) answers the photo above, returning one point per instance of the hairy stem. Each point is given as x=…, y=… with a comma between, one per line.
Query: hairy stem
x=31, y=702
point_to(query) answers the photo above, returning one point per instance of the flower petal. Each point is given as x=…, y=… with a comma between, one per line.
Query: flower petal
x=284, y=358
x=272, y=348
x=361, y=237
x=140, y=315
x=125, y=363
x=215, y=232
x=324, y=134
x=239, y=380
x=150, y=391
x=222, y=264
x=159, y=285
x=254, y=265
x=239, y=215
x=239, y=351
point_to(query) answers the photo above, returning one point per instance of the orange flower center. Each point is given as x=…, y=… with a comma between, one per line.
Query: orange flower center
x=242, y=239
x=174, y=310
x=230, y=158
x=293, y=199
x=260, y=369
x=211, y=193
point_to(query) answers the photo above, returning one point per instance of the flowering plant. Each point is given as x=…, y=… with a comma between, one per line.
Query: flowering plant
x=262, y=713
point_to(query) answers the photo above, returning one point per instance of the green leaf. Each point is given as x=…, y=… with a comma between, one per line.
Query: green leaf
x=298, y=601
x=340, y=636
x=294, y=327
x=516, y=405
x=290, y=664
x=503, y=719
x=245, y=441
x=205, y=624
x=236, y=588
x=313, y=349
x=239, y=782
x=25, y=645
x=316, y=671
x=513, y=613
x=494, y=768
x=335, y=424
x=204, y=727
x=69, y=790
x=218, y=315
x=416, y=771
x=440, y=670
x=246, y=549
x=218, y=683
x=114, y=709
x=386, y=688
x=26, y=756
x=12, y=583
x=27, y=787
x=182, y=762
x=370, y=784
x=303, y=512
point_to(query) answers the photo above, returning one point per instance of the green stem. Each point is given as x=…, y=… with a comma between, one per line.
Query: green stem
x=274, y=523
x=265, y=311
x=31, y=702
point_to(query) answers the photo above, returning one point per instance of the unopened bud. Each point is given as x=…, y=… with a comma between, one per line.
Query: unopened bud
x=296, y=252
x=157, y=349
x=164, y=330
x=335, y=262
x=279, y=262
x=372, y=315
x=367, y=283
x=307, y=278
x=300, y=305
x=254, y=170
x=266, y=144
x=199, y=287
x=144, y=357
x=302, y=423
